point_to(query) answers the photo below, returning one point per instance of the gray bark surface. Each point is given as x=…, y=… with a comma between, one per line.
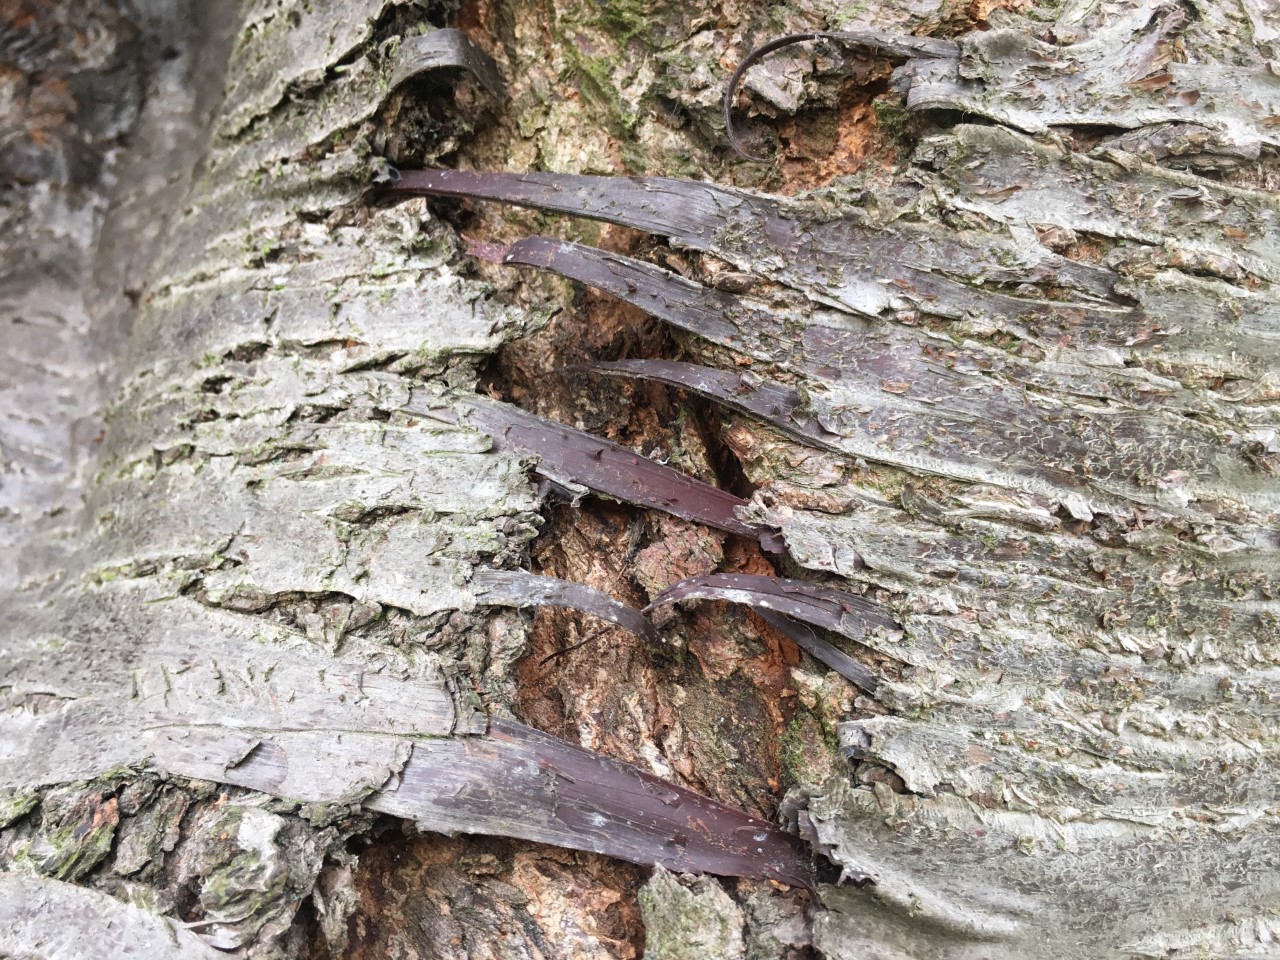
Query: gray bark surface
x=1018, y=393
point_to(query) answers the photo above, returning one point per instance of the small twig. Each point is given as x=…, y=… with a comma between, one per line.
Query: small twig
x=567, y=650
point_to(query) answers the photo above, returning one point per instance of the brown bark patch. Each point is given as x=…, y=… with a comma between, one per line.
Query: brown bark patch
x=679, y=550
x=480, y=898
x=818, y=149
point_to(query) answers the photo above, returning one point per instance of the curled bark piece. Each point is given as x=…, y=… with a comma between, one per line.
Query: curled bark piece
x=803, y=637
x=845, y=613
x=445, y=48
x=570, y=457
x=520, y=589
x=772, y=402
x=872, y=41
x=688, y=211
x=520, y=782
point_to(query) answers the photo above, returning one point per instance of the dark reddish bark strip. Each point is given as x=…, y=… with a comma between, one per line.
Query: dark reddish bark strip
x=666, y=295
x=568, y=457
x=803, y=637
x=520, y=782
x=772, y=402
x=845, y=613
x=971, y=408
x=804, y=247
x=520, y=589
x=684, y=210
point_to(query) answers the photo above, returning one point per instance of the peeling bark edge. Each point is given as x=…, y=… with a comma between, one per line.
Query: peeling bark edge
x=803, y=637
x=845, y=613
x=774, y=403
x=520, y=782
x=521, y=589
x=572, y=458
x=442, y=49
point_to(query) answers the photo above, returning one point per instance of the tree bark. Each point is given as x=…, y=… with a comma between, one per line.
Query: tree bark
x=1006, y=382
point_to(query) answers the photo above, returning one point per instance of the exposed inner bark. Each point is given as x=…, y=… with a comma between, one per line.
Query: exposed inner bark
x=488, y=898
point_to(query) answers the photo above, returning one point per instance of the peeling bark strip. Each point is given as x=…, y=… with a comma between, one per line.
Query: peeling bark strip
x=749, y=393
x=525, y=589
x=852, y=616
x=578, y=460
x=888, y=393
x=520, y=589
x=321, y=730
x=441, y=49
x=688, y=212
x=808, y=641
x=666, y=295
x=520, y=782
x=845, y=260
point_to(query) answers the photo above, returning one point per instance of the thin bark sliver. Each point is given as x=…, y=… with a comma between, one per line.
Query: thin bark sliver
x=845, y=613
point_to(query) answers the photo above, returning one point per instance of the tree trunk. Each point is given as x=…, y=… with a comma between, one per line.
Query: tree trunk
x=996, y=399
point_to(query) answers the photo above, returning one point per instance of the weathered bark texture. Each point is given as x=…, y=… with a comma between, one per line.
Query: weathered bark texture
x=1005, y=399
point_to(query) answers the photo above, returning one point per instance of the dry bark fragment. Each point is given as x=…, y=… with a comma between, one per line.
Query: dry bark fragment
x=845, y=613
x=521, y=782
x=526, y=590
x=573, y=458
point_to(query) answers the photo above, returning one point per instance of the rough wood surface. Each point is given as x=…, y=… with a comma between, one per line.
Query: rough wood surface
x=1019, y=389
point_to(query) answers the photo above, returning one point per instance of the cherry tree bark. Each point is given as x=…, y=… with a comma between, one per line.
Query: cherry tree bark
x=333, y=495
